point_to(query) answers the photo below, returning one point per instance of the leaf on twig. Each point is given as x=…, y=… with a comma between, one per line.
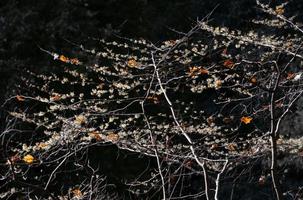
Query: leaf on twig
x=20, y=98
x=246, y=120
x=63, y=58
x=28, y=159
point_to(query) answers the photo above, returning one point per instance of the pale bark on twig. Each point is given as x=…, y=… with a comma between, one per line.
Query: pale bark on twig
x=218, y=180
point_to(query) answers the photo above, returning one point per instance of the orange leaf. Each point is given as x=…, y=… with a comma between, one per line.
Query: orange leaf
x=63, y=58
x=229, y=63
x=20, y=98
x=246, y=120
x=29, y=159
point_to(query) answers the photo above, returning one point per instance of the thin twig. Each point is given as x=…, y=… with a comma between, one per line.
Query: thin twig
x=54, y=171
x=218, y=180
